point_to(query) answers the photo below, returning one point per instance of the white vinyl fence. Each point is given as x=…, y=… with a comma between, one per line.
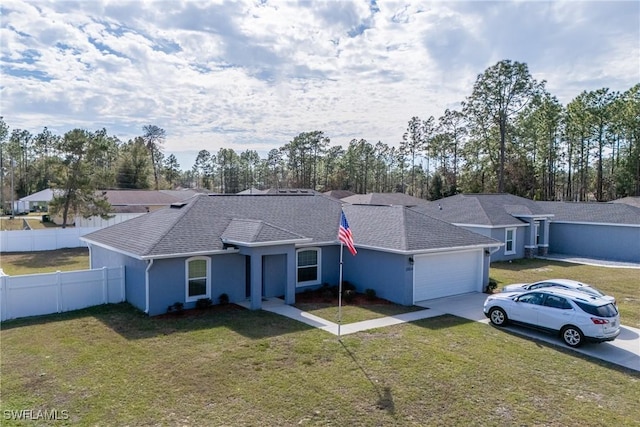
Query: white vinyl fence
x=43, y=240
x=37, y=294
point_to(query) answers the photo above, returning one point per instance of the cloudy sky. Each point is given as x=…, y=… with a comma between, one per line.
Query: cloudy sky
x=253, y=74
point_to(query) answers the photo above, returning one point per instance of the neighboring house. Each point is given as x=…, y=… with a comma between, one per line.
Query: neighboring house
x=127, y=204
x=38, y=201
x=594, y=230
x=519, y=223
x=631, y=200
x=251, y=247
x=384, y=199
x=289, y=191
x=338, y=194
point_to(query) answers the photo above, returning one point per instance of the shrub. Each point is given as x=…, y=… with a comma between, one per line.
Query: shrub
x=327, y=295
x=349, y=296
x=348, y=286
x=203, y=303
x=224, y=299
x=491, y=286
x=370, y=293
x=177, y=307
x=335, y=290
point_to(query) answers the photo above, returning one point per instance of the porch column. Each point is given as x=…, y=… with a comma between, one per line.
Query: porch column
x=290, y=288
x=543, y=247
x=256, y=282
x=530, y=246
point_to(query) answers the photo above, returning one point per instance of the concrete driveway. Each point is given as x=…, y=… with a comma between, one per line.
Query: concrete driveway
x=623, y=351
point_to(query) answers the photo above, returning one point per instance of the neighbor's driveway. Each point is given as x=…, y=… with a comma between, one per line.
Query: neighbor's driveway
x=624, y=350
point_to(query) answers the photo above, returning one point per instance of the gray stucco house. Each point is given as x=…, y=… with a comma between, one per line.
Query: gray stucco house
x=520, y=224
x=595, y=230
x=256, y=246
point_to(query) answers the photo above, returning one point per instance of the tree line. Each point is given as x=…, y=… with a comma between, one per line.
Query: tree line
x=509, y=135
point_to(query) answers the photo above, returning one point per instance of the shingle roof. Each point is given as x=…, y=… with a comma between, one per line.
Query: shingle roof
x=143, y=197
x=602, y=213
x=482, y=209
x=339, y=194
x=256, y=231
x=383, y=199
x=631, y=200
x=201, y=223
x=404, y=229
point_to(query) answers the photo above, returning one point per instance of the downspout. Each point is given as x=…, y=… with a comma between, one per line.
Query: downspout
x=90, y=258
x=146, y=285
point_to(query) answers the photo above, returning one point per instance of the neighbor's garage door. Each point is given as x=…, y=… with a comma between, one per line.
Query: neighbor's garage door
x=451, y=273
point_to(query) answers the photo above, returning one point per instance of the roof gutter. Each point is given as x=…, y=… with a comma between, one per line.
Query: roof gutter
x=269, y=243
x=496, y=245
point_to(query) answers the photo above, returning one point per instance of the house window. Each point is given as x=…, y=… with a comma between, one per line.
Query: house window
x=510, y=241
x=308, y=266
x=198, y=283
x=536, y=226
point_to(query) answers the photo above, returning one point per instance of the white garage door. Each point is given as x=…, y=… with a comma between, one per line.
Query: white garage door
x=442, y=275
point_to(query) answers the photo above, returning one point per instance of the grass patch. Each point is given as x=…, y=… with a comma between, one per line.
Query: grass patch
x=622, y=283
x=113, y=365
x=18, y=263
x=17, y=223
x=355, y=313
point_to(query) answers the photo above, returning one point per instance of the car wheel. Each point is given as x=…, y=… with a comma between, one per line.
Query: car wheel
x=572, y=336
x=498, y=317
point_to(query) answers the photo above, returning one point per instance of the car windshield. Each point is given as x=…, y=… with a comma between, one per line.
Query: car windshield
x=607, y=310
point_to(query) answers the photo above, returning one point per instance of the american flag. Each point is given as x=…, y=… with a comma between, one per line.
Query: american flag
x=344, y=234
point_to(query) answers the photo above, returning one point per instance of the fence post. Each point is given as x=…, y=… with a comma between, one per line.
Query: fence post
x=59, y=294
x=105, y=285
x=3, y=295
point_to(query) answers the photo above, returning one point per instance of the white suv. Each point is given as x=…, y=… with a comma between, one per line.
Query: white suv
x=578, y=317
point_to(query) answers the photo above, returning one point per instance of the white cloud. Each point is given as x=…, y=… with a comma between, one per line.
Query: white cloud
x=254, y=74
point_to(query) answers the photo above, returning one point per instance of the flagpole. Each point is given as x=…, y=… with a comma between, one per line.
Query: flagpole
x=340, y=292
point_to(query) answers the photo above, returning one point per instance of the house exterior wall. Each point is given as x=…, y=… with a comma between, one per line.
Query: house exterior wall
x=499, y=234
x=621, y=243
x=134, y=270
x=390, y=275
x=167, y=281
x=274, y=275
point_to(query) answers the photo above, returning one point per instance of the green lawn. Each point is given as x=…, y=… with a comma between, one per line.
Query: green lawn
x=622, y=283
x=111, y=365
x=354, y=313
x=17, y=263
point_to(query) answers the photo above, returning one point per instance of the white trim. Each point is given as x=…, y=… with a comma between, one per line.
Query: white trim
x=513, y=241
x=522, y=224
x=432, y=250
x=269, y=243
x=596, y=223
x=207, y=294
x=318, y=266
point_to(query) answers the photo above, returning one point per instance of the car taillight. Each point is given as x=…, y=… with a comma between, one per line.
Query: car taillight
x=599, y=321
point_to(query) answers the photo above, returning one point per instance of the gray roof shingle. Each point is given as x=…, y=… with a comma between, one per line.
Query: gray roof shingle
x=482, y=209
x=594, y=212
x=383, y=199
x=200, y=224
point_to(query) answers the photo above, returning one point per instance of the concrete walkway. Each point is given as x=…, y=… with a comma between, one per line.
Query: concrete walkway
x=624, y=351
x=591, y=261
x=277, y=306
